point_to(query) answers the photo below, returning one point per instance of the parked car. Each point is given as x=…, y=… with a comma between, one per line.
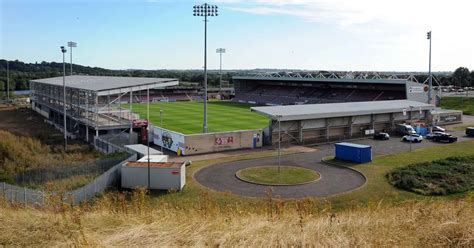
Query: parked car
x=460, y=90
x=404, y=129
x=445, y=137
x=416, y=138
x=438, y=129
x=434, y=134
x=381, y=136
x=470, y=131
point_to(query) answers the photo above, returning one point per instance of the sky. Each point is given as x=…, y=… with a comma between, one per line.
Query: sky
x=357, y=35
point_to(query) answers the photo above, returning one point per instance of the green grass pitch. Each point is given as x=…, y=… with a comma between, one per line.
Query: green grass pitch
x=186, y=117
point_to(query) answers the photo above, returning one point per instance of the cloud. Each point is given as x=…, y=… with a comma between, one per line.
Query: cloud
x=352, y=12
x=398, y=26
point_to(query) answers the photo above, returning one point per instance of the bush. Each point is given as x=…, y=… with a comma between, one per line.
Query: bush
x=440, y=177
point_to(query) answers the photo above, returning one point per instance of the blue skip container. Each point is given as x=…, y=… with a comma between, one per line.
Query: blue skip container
x=353, y=152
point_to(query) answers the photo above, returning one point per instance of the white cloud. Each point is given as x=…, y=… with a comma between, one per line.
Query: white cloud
x=399, y=25
x=347, y=12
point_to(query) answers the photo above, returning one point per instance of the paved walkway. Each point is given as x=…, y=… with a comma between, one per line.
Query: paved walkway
x=334, y=180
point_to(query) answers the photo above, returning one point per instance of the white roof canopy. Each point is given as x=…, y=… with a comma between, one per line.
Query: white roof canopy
x=318, y=111
x=109, y=84
x=142, y=149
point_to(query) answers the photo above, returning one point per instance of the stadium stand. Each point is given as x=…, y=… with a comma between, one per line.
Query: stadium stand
x=290, y=93
x=170, y=94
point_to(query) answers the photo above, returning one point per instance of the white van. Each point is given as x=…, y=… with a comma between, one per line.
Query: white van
x=404, y=129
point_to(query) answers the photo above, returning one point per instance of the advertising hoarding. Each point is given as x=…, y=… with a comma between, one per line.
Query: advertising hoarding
x=169, y=140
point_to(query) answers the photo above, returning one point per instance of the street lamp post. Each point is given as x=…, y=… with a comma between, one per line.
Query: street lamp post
x=279, y=142
x=147, y=133
x=220, y=51
x=63, y=50
x=8, y=82
x=161, y=125
x=205, y=10
x=71, y=44
x=411, y=138
x=430, y=79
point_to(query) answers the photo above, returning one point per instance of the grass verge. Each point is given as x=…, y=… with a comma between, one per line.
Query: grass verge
x=466, y=104
x=272, y=175
x=378, y=188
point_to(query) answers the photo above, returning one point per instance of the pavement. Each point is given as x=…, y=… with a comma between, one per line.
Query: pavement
x=172, y=157
x=334, y=180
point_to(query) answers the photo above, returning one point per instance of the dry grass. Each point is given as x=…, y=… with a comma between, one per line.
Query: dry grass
x=114, y=221
x=20, y=154
x=29, y=153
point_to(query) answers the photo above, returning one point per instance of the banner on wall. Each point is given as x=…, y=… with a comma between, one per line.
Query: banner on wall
x=222, y=141
x=416, y=89
x=170, y=140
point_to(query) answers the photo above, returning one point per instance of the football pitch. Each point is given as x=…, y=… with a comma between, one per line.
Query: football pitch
x=187, y=117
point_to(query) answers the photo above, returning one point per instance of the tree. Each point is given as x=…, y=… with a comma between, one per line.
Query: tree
x=461, y=76
x=472, y=79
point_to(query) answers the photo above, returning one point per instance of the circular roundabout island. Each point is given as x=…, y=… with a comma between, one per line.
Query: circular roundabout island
x=274, y=175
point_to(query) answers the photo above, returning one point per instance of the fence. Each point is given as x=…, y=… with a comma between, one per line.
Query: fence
x=106, y=146
x=24, y=195
x=91, y=168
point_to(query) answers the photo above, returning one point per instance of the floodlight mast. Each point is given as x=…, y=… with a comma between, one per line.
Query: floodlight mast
x=205, y=10
x=71, y=44
x=220, y=51
x=63, y=50
x=430, y=79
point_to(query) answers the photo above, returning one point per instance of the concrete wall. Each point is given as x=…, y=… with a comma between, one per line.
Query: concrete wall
x=416, y=95
x=223, y=141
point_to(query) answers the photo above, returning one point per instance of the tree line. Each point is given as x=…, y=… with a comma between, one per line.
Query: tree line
x=21, y=73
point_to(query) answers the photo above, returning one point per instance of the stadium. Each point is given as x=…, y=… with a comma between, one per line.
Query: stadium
x=101, y=106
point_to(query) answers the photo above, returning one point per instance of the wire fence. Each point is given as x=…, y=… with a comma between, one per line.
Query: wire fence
x=16, y=194
x=106, y=146
x=92, y=169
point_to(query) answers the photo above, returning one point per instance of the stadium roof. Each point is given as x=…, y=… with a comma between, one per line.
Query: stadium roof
x=330, y=110
x=324, y=80
x=102, y=83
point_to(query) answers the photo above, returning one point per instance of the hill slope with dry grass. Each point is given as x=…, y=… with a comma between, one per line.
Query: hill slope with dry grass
x=139, y=223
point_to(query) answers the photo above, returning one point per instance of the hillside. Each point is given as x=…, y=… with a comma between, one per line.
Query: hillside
x=114, y=222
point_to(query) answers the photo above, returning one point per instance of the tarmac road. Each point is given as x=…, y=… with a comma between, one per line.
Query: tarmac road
x=334, y=180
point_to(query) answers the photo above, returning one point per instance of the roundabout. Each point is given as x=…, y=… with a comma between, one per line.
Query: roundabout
x=331, y=180
x=274, y=175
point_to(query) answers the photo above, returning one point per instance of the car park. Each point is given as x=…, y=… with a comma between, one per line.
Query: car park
x=381, y=136
x=412, y=138
x=445, y=137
